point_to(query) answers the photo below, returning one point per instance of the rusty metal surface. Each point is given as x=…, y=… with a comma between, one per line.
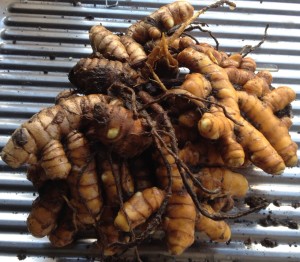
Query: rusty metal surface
x=41, y=40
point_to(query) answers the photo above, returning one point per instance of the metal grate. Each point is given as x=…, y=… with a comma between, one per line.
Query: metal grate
x=41, y=40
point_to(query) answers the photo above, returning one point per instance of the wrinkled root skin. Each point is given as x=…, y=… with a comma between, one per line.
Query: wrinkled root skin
x=135, y=148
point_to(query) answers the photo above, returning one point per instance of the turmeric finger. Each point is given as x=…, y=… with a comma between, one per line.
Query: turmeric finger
x=179, y=222
x=96, y=75
x=248, y=63
x=218, y=231
x=189, y=119
x=260, y=151
x=54, y=161
x=238, y=76
x=230, y=183
x=65, y=231
x=162, y=171
x=203, y=152
x=83, y=179
x=49, y=124
x=263, y=117
x=36, y=174
x=215, y=125
x=233, y=60
x=279, y=98
x=127, y=182
x=108, y=174
x=113, y=125
x=107, y=43
x=166, y=16
x=109, y=233
x=117, y=128
x=197, y=85
x=201, y=63
x=135, y=51
x=256, y=86
x=139, y=208
x=45, y=209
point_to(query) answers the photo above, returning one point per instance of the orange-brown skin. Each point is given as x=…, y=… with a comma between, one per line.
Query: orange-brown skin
x=119, y=125
x=134, y=50
x=163, y=178
x=197, y=85
x=49, y=124
x=127, y=181
x=201, y=63
x=218, y=231
x=215, y=125
x=36, y=174
x=162, y=61
x=287, y=121
x=279, y=98
x=179, y=219
x=222, y=203
x=139, y=208
x=203, y=152
x=260, y=151
x=248, y=63
x=162, y=171
x=113, y=125
x=46, y=208
x=270, y=126
x=245, y=77
x=96, y=74
x=230, y=183
x=166, y=16
x=179, y=222
x=140, y=32
x=64, y=95
x=108, y=173
x=83, y=179
x=108, y=232
x=151, y=44
x=233, y=60
x=189, y=119
x=185, y=42
x=256, y=86
x=107, y=43
x=109, y=183
x=65, y=231
x=259, y=85
x=266, y=75
x=239, y=76
x=54, y=161
x=214, y=55
x=119, y=130
x=228, y=62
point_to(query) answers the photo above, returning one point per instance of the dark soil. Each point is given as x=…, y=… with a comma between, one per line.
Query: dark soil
x=276, y=203
x=21, y=256
x=267, y=242
x=254, y=201
x=271, y=221
x=289, y=223
x=248, y=241
x=296, y=204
